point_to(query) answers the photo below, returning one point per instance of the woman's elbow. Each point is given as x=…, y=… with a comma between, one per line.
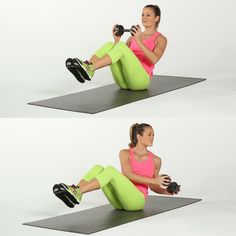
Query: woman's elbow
x=155, y=60
x=127, y=174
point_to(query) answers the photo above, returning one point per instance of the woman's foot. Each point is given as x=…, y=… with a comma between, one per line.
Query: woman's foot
x=59, y=192
x=70, y=66
x=71, y=192
x=85, y=68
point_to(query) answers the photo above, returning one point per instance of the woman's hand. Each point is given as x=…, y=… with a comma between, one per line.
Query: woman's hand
x=116, y=38
x=136, y=32
x=160, y=184
x=162, y=180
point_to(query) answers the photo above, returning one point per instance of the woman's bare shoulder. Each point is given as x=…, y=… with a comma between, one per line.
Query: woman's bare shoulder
x=161, y=38
x=124, y=153
x=156, y=159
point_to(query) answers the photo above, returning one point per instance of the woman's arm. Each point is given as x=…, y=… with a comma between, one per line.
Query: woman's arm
x=156, y=187
x=159, y=50
x=127, y=170
x=155, y=56
x=128, y=41
x=116, y=38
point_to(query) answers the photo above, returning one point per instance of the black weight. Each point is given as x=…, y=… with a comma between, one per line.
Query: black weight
x=120, y=30
x=168, y=178
x=133, y=29
x=173, y=188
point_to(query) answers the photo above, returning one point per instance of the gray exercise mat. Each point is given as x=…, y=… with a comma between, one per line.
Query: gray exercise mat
x=105, y=217
x=110, y=96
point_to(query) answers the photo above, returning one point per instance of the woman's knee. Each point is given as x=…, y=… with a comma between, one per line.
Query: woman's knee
x=110, y=168
x=121, y=45
x=98, y=167
x=110, y=43
x=104, y=49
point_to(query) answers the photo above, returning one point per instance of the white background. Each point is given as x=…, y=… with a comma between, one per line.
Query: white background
x=37, y=153
x=36, y=38
x=38, y=35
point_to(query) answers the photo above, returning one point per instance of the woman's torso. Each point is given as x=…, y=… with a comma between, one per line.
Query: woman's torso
x=144, y=168
x=150, y=43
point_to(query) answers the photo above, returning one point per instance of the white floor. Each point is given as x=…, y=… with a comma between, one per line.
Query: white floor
x=36, y=153
x=215, y=97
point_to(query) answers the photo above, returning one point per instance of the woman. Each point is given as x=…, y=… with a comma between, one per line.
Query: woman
x=131, y=63
x=140, y=171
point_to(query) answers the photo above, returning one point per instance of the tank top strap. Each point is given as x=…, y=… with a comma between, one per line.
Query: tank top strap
x=154, y=36
x=151, y=162
x=150, y=155
x=131, y=153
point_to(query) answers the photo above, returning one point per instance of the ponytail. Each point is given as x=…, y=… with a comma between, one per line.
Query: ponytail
x=133, y=135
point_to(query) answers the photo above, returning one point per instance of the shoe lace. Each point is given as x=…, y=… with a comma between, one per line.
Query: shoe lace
x=74, y=188
x=87, y=62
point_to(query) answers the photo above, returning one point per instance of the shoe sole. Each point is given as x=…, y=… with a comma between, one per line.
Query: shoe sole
x=78, y=65
x=60, y=194
x=68, y=194
x=72, y=69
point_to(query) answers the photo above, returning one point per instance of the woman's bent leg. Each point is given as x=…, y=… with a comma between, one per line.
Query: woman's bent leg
x=104, y=49
x=129, y=196
x=126, y=69
x=92, y=173
x=107, y=190
x=118, y=75
x=135, y=75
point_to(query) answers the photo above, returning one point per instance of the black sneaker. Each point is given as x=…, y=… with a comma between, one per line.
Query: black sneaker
x=84, y=68
x=70, y=66
x=72, y=192
x=60, y=193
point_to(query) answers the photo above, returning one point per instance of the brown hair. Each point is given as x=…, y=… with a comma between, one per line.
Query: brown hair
x=136, y=129
x=157, y=12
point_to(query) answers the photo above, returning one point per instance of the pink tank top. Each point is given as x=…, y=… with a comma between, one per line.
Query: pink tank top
x=149, y=43
x=144, y=168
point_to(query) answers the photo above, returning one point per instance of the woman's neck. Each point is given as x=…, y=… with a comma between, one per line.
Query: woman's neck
x=140, y=148
x=150, y=30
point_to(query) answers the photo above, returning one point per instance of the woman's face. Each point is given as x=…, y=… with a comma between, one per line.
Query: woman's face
x=147, y=137
x=148, y=17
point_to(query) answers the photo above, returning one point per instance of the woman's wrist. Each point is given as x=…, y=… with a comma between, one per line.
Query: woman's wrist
x=116, y=40
x=153, y=181
x=138, y=41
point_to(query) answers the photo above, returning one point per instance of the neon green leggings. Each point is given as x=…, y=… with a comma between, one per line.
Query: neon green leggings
x=119, y=190
x=126, y=69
